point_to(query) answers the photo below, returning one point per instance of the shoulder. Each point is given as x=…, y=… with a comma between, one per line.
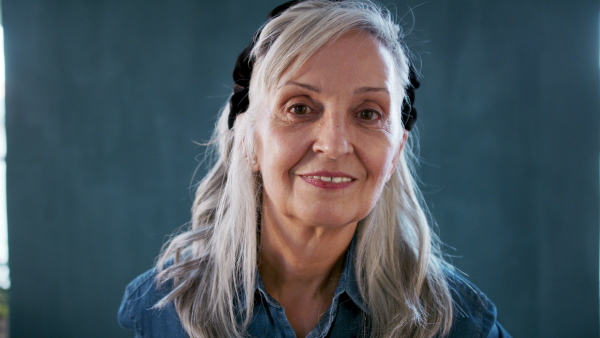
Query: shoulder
x=137, y=310
x=474, y=314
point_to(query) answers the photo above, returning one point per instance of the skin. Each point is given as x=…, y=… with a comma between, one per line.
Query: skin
x=337, y=115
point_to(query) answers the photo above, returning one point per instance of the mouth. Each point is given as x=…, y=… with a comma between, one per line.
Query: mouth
x=333, y=179
x=328, y=180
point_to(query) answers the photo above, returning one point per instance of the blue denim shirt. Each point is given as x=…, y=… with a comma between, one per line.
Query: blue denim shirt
x=474, y=313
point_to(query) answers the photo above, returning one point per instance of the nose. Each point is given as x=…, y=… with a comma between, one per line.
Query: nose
x=332, y=137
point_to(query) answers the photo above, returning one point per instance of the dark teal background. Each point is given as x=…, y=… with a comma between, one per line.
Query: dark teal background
x=104, y=100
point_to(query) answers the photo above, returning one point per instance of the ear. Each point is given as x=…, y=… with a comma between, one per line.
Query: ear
x=398, y=153
x=251, y=159
x=255, y=165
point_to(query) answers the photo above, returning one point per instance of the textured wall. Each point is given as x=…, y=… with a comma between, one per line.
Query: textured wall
x=510, y=134
x=105, y=99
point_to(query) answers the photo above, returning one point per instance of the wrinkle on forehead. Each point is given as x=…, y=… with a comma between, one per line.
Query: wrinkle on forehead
x=363, y=44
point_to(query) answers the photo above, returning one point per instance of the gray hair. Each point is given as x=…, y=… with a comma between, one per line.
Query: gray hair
x=400, y=270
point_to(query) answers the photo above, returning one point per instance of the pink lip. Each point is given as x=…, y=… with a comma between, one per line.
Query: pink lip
x=328, y=174
x=327, y=185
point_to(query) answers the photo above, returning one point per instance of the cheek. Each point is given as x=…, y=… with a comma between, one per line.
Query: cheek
x=381, y=164
x=278, y=151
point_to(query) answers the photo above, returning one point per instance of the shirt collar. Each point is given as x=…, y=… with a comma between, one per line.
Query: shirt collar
x=348, y=278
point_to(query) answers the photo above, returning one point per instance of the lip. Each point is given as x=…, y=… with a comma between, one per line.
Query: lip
x=329, y=174
x=308, y=178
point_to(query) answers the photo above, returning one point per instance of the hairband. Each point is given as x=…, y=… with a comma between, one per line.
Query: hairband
x=239, y=101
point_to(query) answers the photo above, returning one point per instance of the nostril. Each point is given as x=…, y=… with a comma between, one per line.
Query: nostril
x=333, y=145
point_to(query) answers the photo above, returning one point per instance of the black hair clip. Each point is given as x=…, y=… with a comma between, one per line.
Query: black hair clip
x=239, y=101
x=409, y=112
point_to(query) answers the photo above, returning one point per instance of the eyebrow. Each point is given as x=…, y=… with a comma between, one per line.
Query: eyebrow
x=303, y=85
x=371, y=89
x=317, y=90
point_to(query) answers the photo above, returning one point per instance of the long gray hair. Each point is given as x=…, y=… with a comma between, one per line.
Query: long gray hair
x=213, y=265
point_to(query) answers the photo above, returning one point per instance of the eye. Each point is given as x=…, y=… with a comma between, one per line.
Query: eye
x=368, y=115
x=300, y=109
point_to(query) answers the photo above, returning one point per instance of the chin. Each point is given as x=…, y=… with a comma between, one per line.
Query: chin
x=328, y=219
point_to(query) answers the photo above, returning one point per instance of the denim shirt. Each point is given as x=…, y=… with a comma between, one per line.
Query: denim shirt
x=474, y=313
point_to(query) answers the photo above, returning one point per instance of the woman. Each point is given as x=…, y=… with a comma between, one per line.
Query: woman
x=309, y=224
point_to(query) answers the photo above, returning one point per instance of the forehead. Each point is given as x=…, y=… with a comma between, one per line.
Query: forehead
x=354, y=58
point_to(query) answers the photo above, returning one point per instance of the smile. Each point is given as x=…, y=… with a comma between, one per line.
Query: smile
x=330, y=179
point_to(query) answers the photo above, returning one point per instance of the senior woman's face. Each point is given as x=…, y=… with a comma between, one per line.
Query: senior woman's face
x=332, y=135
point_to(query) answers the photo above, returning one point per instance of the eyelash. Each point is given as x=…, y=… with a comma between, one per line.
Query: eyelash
x=376, y=115
x=300, y=105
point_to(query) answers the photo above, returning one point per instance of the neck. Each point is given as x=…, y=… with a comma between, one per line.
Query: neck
x=297, y=258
